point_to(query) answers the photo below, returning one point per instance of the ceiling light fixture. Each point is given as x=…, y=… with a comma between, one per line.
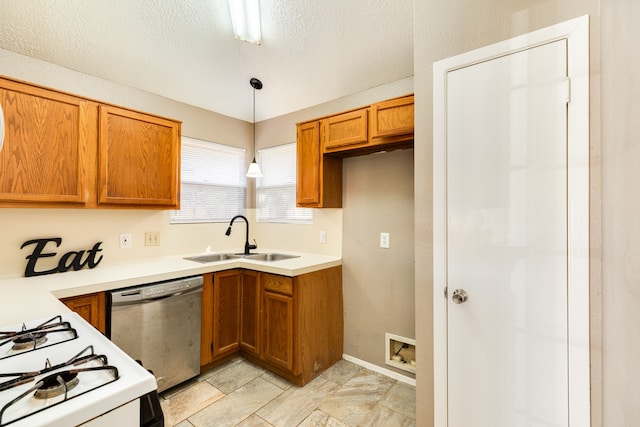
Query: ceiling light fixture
x=254, y=168
x=245, y=19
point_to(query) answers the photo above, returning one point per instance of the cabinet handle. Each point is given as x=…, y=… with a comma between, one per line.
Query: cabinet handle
x=1, y=127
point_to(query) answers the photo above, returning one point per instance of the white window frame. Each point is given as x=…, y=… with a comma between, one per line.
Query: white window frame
x=213, y=170
x=276, y=190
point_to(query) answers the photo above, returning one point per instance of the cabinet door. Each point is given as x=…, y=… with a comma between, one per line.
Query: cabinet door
x=319, y=182
x=90, y=307
x=344, y=131
x=392, y=118
x=138, y=158
x=47, y=135
x=309, y=160
x=278, y=330
x=226, y=312
x=250, y=312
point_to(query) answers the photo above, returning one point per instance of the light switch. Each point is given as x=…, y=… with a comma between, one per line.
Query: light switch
x=384, y=240
x=323, y=237
x=152, y=238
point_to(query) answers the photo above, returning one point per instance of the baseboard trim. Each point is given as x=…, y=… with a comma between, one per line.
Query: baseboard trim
x=387, y=372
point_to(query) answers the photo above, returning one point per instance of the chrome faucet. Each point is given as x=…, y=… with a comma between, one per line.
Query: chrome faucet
x=247, y=246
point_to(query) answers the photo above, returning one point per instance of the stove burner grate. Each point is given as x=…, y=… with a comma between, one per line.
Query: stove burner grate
x=31, y=339
x=56, y=385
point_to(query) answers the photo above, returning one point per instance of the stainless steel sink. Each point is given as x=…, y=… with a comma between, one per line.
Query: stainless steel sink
x=213, y=257
x=270, y=257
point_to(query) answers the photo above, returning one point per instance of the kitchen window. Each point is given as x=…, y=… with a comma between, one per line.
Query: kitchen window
x=276, y=190
x=213, y=185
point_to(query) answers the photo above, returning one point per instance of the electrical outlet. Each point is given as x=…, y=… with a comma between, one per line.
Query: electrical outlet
x=152, y=238
x=323, y=237
x=384, y=240
x=125, y=240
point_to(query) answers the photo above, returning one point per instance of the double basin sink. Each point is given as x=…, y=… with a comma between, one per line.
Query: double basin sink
x=268, y=257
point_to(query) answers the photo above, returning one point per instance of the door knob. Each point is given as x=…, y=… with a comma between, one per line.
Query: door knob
x=459, y=296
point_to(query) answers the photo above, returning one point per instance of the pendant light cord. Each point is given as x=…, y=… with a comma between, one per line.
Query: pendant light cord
x=254, y=124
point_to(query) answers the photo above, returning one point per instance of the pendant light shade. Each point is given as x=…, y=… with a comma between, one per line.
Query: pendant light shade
x=254, y=168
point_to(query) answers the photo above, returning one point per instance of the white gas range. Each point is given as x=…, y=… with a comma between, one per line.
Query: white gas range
x=60, y=371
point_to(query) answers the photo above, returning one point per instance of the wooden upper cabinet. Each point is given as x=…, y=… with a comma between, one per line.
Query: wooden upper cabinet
x=323, y=142
x=309, y=163
x=319, y=177
x=392, y=118
x=47, y=135
x=62, y=150
x=345, y=130
x=139, y=158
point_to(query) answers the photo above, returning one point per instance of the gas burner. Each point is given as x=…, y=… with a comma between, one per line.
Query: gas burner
x=56, y=385
x=29, y=340
x=53, y=331
x=31, y=392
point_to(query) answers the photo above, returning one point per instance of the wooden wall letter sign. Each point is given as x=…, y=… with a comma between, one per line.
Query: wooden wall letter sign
x=70, y=260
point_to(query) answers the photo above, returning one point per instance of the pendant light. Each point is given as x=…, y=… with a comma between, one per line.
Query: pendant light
x=254, y=168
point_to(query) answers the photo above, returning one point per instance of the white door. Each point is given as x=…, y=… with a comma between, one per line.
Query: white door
x=506, y=226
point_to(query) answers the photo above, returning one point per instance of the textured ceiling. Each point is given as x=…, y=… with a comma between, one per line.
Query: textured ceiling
x=313, y=51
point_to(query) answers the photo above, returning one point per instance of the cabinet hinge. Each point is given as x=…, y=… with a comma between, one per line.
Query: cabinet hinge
x=446, y=292
x=211, y=347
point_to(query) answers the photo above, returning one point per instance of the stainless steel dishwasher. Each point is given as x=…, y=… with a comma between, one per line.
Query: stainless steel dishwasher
x=159, y=325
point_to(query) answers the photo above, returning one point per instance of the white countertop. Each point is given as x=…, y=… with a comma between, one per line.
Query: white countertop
x=24, y=298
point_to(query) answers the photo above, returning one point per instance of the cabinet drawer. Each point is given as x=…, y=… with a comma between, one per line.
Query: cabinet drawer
x=279, y=284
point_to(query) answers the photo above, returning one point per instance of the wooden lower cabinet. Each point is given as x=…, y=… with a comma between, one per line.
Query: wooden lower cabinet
x=250, y=312
x=302, y=323
x=220, y=315
x=278, y=330
x=91, y=307
x=292, y=326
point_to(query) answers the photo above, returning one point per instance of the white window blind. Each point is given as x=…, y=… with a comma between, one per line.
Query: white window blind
x=213, y=183
x=276, y=190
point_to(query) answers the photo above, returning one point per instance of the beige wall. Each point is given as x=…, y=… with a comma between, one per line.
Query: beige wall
x=620, y=212
x=450, y=28
x=378, y=284
x=81, y=228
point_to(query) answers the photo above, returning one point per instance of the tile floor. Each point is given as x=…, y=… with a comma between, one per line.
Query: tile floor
x=239, y=393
